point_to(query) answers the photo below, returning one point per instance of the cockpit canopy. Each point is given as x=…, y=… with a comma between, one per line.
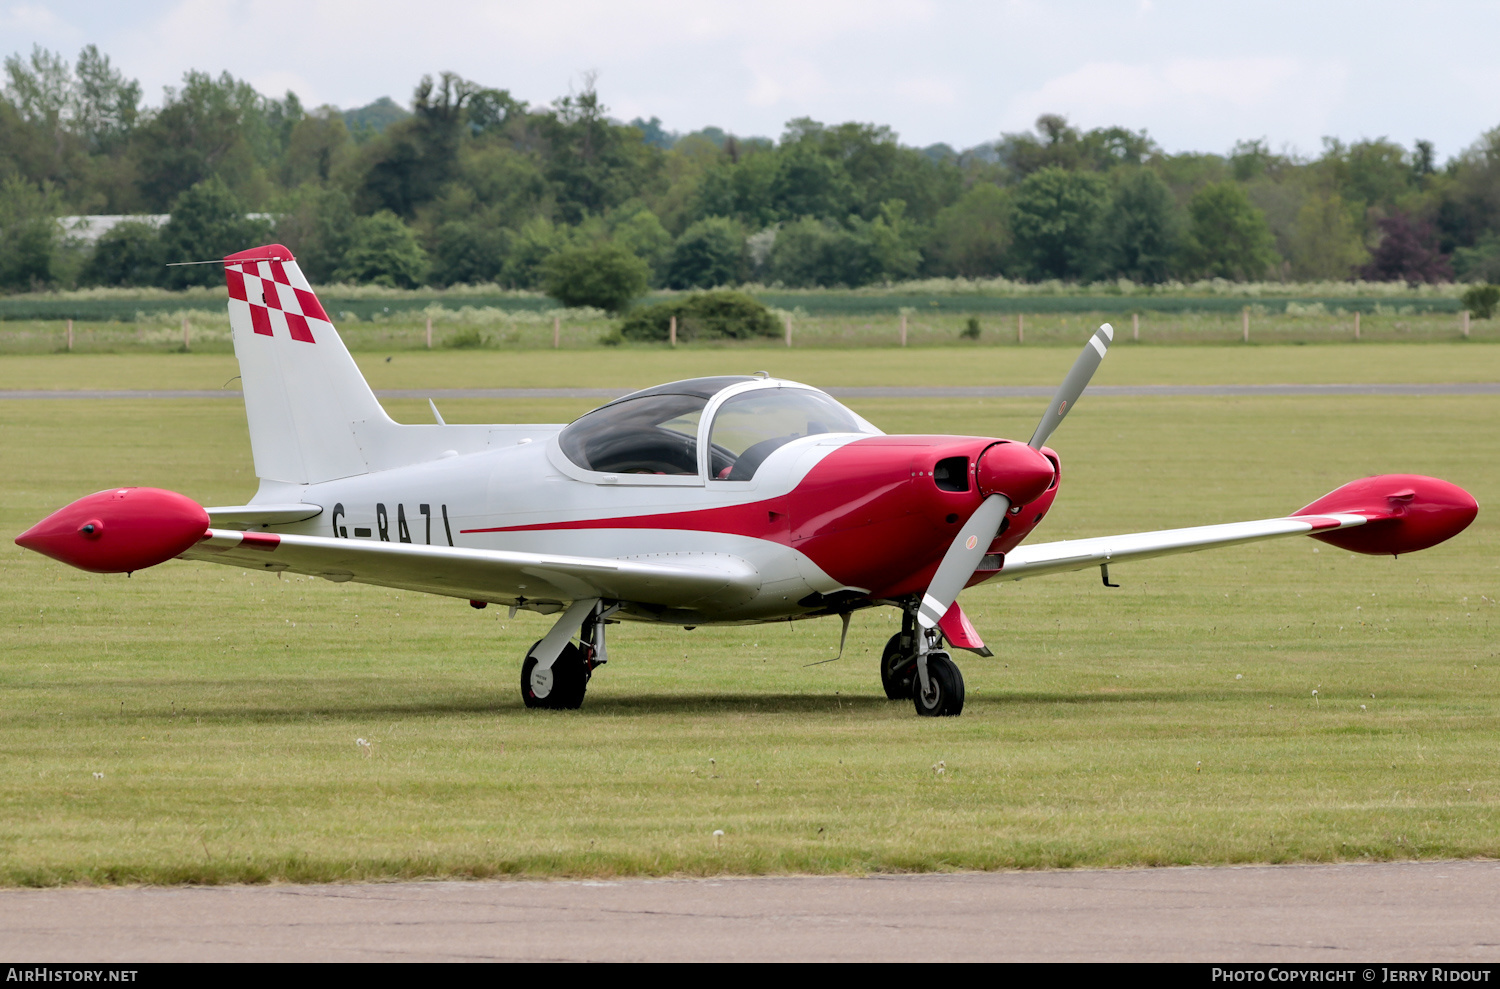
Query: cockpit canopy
x=657, y=431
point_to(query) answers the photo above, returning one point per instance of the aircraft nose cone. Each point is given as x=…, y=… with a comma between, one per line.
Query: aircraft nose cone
x=1016, y=471
x=118, y=530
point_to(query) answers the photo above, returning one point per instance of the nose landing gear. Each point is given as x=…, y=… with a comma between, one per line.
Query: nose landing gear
x=913, y=666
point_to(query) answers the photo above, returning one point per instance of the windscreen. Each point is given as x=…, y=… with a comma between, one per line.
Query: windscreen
x=749, y=426
x=653, y=434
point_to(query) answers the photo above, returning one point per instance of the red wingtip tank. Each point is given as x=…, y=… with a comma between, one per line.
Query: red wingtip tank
x=119, y=530
x=1407, y=512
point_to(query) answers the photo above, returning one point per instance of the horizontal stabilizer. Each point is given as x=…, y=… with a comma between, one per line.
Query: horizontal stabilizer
x=260, y=516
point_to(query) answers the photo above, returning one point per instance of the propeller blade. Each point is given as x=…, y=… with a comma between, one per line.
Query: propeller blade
x=1073, y=385
x=962, y=559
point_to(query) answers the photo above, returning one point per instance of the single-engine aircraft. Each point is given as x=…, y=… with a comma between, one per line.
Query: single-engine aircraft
x=726, y=500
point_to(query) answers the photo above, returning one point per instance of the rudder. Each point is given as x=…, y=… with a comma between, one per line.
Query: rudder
x=304, y=395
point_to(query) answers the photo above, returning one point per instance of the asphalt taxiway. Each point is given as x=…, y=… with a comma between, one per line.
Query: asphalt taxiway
x=1352, y=913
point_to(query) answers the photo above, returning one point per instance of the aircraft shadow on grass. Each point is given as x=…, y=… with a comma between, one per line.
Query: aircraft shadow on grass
x=634, y=705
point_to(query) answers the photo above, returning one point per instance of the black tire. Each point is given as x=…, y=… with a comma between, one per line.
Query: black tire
x=570, y=680
x=898, y=668
x=945, y=696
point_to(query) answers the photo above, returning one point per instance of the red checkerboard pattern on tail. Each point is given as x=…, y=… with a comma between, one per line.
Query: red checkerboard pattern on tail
x=312, y=417
x=277, y=294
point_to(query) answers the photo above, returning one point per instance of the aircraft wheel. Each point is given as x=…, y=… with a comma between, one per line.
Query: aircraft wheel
x=560, y=688
x=898, y=669
x=945, y=694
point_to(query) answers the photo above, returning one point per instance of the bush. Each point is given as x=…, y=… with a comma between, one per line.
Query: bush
x=605, y=276
x=1481, y=300
x=971, y=329
x=703, y=316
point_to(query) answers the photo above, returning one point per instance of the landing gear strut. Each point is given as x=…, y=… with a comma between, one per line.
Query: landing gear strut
x=914, y=666
x=556, y=671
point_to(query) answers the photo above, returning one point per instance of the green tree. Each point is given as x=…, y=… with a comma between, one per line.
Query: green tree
x=1057, y=144
x=408, y=165
x=129, y=253
x=601, y=276
x=810, y=184
x=383, y=251
x=971, y=238
x=637, y=229
x=30, y=238
x=468, y=253
x=1480, y=263
x=208, y=222
x=1056, y=223
x=592, y=164
x=1140, y=230
x=1326, y=242
x=210, y=127
x=318, y=148
x=316, y=222
x=537, y=240
x=1227, y=236
x=709, y=253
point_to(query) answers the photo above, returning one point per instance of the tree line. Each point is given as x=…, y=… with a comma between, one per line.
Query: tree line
x=474, y=186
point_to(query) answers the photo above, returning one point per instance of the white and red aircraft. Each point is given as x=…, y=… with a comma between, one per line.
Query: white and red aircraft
x=727, y=500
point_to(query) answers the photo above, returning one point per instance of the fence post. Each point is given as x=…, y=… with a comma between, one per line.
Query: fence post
x=556, y=331
x=1356, y=324
x=1020, y=328
x=186, y=341
x=1135, y=327
x=1245, y=324
x=429, y=332
x=672, y=331
x=1466, y=324
x=788, y=330
x=70, y=336
x=903, y=329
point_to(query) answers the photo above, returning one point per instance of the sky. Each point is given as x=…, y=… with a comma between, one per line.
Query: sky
x=1196, y=76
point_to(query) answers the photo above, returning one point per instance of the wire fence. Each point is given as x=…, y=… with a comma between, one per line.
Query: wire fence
x=207, y=331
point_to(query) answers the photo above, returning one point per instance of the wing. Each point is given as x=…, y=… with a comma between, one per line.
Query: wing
x=487, y=575
x=1386, y=514
x=1080, y=554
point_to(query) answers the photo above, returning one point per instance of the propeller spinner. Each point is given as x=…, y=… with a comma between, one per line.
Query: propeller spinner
x=1009, y=477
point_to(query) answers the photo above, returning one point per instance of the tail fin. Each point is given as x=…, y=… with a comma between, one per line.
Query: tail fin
x=305, y=398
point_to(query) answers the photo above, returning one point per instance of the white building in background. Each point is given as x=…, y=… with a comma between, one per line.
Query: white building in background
x=89, y=229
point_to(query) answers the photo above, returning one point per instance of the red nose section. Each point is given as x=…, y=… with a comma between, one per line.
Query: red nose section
x=1016, y=471
x=119, y=530
x=1408, y=512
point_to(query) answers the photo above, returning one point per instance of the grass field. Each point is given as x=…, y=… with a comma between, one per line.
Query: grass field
x=640, y=368
x=196, y=723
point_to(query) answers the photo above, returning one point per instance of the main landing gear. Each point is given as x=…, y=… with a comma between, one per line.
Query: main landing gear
x=556, y=671
x=914, y=666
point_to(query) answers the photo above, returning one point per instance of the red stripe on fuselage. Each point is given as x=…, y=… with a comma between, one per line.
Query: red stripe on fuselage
x=869, y=514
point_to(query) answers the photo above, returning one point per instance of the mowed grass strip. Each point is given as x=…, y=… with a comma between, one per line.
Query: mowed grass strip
x=1170, y=721
x=1128, y=364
